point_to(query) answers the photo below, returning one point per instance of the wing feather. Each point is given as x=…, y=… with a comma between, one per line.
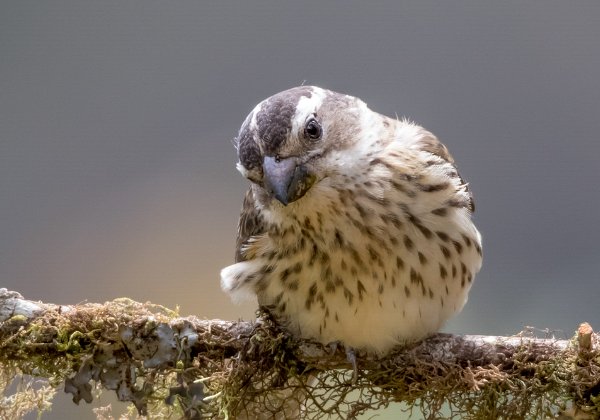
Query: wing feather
x=250, y=224
x=430, y=143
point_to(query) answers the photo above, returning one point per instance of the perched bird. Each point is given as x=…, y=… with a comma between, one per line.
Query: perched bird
x=356, y=228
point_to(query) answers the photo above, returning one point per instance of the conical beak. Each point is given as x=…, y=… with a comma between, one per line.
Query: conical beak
x=285, y=179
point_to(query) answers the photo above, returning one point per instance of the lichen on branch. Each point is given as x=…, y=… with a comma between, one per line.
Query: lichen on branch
x=172, y=366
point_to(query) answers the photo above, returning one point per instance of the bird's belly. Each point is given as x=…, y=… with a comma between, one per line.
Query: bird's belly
x=376, y=293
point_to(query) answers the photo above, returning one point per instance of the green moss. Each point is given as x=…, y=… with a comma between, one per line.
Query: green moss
x=17, y=319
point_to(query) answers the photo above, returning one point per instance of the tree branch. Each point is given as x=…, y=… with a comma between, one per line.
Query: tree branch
x=165, y=364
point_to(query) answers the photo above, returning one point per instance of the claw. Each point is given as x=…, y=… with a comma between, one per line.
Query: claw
x=333, y=346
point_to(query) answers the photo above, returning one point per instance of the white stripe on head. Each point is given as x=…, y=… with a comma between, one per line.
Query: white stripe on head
x=307, y=106
x=255, y=111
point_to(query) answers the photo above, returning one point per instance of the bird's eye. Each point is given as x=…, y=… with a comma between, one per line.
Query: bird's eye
x=312, y=129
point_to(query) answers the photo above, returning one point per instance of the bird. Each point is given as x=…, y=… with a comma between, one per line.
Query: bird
x=356, y=227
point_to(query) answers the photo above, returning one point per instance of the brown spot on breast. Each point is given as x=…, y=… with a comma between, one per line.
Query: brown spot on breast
x=302, y=243
x=425, y=231
x=412, y=218
x=422, y=258
x=329, y=287
x=373, y=254
x=396, y=222
x=445, y=251
x=478, y=248
x=458, y=203
x=443, y=236
x=415, y=277
x=433, y=187
x=344, y=196
x=458, y=246
x=308, y=303
x=399, y=263
x=278, y=298
x=312, y=292
x=402, y=188
x=313, y=256
x=466, y=240
x=326, y=272
x=384, y=202
x=321, y=299
x=339, y=239
x=408, y=243
x=348, y=295
x=361, y=210
x=360, y=288
x=443, y=272
x=378, y=161
x=319, y=219
x=441, y=211
x=357, y=259
x=284, y=275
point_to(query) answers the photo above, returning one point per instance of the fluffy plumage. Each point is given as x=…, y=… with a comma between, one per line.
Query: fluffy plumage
x=356, y=227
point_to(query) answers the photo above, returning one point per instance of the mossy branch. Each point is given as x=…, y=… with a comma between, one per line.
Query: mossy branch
x=168, y=365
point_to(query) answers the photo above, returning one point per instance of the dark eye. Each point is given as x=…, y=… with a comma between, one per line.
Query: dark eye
x=312, y=129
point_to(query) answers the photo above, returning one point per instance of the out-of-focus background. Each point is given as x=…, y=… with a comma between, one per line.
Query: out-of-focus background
x=117, y=172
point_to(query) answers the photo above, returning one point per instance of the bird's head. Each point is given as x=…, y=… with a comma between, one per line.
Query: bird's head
x=290, y=141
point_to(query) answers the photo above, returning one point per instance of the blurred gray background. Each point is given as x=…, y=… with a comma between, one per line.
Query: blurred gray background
x=117, y=169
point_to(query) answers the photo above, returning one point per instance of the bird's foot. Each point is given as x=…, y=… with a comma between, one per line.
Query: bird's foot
x=351, y=357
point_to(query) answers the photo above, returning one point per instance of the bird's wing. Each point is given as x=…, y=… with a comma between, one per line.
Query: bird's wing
x=250, y=224
x=429, y=143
